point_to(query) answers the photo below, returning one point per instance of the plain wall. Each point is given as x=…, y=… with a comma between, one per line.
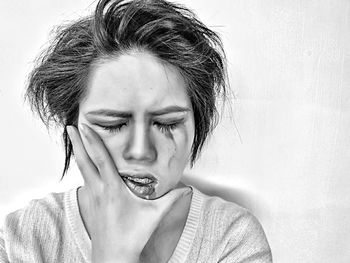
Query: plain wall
x=284, y=152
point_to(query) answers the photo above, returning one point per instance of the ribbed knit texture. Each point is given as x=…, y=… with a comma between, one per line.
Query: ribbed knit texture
x=51, y=230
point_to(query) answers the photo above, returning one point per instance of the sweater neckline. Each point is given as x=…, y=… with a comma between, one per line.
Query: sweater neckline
x=83, y=241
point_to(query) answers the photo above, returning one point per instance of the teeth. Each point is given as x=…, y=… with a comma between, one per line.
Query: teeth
x=140, y=180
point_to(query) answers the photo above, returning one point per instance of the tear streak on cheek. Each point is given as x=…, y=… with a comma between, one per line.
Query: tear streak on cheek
x=170, y=136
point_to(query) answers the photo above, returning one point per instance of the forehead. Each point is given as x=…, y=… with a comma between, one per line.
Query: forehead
x=137, y=80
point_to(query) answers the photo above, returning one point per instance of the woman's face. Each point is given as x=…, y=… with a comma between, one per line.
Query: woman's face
x=139, y=106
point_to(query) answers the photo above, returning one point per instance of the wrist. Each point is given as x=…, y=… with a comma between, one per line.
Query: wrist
x=113, y=255
x=119, y=259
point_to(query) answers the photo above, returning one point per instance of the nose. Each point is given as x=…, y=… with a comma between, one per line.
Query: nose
x=140, y=146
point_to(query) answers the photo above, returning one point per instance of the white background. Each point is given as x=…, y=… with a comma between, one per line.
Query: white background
x=289, y=163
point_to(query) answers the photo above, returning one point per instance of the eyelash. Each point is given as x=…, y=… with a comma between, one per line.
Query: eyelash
x=114, y=128
x=161, y=126
x=167, y=127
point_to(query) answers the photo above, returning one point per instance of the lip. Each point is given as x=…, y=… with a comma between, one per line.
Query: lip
x=146, y=191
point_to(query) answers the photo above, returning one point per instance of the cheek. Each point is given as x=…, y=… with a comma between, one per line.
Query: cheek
x=114, y=145
x=178, y=148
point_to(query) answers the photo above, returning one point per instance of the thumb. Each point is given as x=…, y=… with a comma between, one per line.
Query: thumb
x=165, y=202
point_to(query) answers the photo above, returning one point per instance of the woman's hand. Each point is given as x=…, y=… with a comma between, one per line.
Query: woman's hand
x=122, y=223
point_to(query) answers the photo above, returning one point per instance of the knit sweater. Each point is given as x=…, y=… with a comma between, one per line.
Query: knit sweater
x=51, y=230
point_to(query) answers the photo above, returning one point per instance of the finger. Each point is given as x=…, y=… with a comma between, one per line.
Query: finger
x=166, y=202
x=100, y=156
x=85, y=165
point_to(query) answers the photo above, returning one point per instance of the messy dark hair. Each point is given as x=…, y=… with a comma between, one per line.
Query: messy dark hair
x=169, y=31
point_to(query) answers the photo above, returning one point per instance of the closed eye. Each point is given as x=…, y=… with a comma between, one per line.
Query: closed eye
x=113, y=128
x=166, y=127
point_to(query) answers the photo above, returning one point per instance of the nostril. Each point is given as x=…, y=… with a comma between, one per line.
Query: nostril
x=140, y=156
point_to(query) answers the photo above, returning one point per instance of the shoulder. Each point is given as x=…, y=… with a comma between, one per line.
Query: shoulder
x=37, y=217
x=237, y=230
x=231, y=214
x=34, y=231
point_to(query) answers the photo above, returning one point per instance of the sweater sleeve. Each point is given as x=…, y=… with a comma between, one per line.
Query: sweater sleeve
x=3, y=256
x=248, y=244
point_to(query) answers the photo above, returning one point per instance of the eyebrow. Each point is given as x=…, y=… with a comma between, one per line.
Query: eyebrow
x=126, y=114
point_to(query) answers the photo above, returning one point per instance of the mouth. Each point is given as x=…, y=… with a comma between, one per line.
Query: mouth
x=142, y=185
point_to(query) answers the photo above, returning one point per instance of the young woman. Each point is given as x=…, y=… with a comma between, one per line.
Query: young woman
x=134, y=87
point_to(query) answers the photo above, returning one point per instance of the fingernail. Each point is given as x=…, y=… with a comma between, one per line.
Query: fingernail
x=83, y=128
